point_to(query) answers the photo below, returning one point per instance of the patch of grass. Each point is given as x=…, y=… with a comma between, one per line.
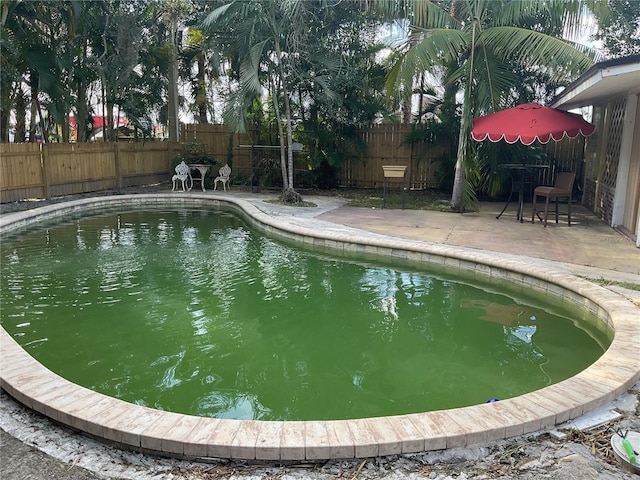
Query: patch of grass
x=413, y=199
x=603, y=282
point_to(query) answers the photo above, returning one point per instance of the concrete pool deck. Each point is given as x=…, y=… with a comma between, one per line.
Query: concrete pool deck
x=475, y=242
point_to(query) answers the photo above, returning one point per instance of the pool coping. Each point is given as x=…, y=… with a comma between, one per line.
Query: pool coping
x=171, y=434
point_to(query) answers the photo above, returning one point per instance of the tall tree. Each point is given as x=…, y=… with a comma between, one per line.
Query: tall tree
x=195, y=55
x=619, y=29
x=173, y=13
x=29, y=59
x=488, y=41
x=340, y=86
x=260, y=31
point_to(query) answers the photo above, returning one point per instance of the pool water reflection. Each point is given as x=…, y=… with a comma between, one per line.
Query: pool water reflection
x=193, y=312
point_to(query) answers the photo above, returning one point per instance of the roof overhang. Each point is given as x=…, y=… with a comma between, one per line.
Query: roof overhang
x=602, y=82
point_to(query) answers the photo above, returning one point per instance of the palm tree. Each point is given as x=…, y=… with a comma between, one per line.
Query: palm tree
x=171, y=14
x=489, y=42
x=29, y=48
x=264, y=36
x=195, y=53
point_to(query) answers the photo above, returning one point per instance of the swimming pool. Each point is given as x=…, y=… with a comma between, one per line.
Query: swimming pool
x=191, y=311
x=141, y=427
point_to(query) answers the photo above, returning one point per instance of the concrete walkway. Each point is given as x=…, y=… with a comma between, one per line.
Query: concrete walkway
x=588, y=242
x=588, y=248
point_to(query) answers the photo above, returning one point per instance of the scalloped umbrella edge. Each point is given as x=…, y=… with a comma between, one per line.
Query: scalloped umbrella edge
x=528, y=123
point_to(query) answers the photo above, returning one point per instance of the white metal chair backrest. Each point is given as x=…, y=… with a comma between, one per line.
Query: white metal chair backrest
x=182, y=169
x=224, y=174
x=182, y=174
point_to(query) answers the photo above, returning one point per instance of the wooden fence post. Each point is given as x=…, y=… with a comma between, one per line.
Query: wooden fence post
x=116, y=158
x=46, y=178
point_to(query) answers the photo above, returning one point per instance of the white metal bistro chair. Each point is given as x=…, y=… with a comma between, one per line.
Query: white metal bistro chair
x=223, y=176
x=182, y=175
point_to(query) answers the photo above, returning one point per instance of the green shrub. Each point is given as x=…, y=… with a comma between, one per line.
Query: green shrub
x=194, y=152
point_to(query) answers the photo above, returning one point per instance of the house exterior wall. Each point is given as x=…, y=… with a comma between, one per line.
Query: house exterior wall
x=627, y=183
x=602, y=158
x=612, y=154
x=599, y=199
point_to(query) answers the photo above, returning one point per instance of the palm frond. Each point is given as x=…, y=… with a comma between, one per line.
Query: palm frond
x=434, y=48
x=555, y=56
x=235, y=108
x=211, y=19
x=421, y=13
x=429, y=14
x=469, y=197
x=493, y=79
x=250, y=68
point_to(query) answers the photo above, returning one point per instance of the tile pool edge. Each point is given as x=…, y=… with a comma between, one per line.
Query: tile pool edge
x=171, y=434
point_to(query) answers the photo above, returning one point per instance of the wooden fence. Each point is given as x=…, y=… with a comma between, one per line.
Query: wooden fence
x=254, y=165
x=49, y=170
x=29, y=170
x=385, y=146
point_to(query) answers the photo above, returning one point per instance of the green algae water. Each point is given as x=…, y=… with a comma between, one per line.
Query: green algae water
x=192, y=311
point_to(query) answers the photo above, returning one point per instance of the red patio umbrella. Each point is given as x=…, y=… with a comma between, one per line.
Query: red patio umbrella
x=530, y=122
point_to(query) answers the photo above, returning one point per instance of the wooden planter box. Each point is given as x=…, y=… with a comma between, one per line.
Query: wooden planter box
x=394, y=171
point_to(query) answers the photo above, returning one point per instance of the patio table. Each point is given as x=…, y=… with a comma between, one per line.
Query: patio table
x=203, y=168
x=521, y=175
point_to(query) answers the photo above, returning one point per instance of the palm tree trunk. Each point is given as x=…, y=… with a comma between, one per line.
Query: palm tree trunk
x=459, y=178
x=33, y=83
x=201, y=92
x=172, y=102
x=289, y=135
x=287, y=110
x=276, y=108
x=5, y=100
x=82, y=114
x=21, y=104
x=110, y=121
x=82, y=110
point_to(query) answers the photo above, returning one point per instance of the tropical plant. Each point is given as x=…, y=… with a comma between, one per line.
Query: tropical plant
x=486, y=45
x=317, y=65
x=194, y=152
x=254, y=36
x=195, y=54
x=57, y=56
x=31, y=62
x=345, y=90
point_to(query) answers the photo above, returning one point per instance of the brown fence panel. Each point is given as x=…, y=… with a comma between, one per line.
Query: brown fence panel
x=38, y=171
x=56, y=169
x=218, y=140
x=145, y=163
x=386, y=146
x=568, y=154
x=79, y=167
x=21, y=173
x=260, y=167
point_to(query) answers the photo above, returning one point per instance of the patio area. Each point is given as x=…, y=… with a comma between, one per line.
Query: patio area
x=588, y=248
